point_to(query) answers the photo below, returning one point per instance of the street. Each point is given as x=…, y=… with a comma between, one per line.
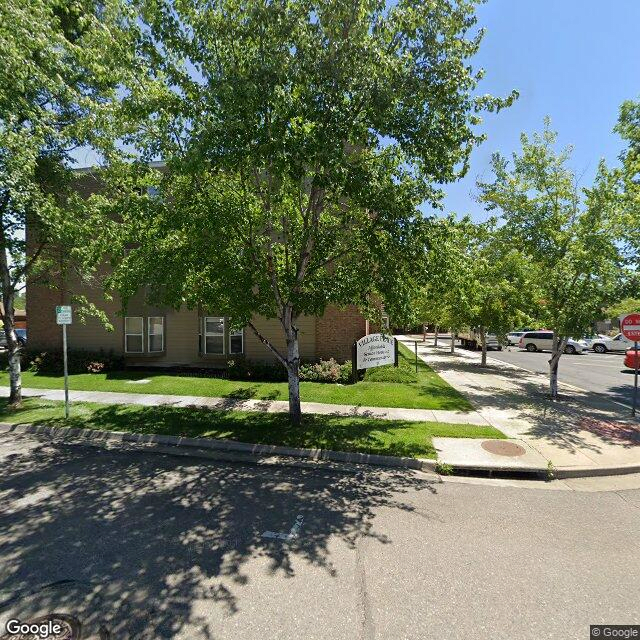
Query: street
x=153, y=546
x=599, y=373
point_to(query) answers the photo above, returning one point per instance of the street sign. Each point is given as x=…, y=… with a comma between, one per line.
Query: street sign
x=630, y=327
x=63, y=317
x=63, y=314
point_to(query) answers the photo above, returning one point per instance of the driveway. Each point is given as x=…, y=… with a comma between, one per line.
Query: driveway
x=155, y=547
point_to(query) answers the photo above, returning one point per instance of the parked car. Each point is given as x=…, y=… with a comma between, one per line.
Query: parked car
x=472, y=340
x=617, y=343
x=632, y=358
x=21, y=334
x=590, y=339
x=513, y=338
x=543, y=341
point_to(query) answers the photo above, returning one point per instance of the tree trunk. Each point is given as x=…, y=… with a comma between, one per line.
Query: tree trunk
x=435, y=339
x=293, y=370
x=556, y=351
x=483, y=338
x=424, y=333
x=13, y=346
x=291, y=362
x=453, y=340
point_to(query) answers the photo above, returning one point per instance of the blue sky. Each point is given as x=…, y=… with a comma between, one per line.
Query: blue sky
x=574, y=60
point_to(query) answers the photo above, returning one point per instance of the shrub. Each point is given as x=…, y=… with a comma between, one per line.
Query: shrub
x=78, y=361
x=326, y=371
x=323, y=371
x=258, y=371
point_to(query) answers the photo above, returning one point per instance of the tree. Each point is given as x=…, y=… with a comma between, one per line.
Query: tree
x=624, y=307
x=444, y=299
x=500, y=290
x=57, y=75
x=628, y=127
x=299, y=138
x=569, y=235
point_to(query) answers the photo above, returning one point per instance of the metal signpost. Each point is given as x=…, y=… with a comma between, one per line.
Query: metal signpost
x=630, y=328
x=63, y=317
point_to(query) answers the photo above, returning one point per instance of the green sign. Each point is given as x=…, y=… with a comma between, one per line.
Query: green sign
x=63, y=315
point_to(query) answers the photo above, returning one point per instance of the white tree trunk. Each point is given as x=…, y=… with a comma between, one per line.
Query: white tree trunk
x=483, y=338
x=293, y=368
x=13, y=346
x=291, y=362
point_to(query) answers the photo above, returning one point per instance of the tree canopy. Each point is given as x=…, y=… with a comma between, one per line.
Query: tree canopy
x=571, y=235
x=299, y=139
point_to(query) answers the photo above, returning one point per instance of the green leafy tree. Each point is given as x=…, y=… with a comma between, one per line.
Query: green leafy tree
x=628, y=127
x=622, y=308
x=58, y=71
x=570, y=235
x=499, y=283
x=299, y=138
x=440, y=278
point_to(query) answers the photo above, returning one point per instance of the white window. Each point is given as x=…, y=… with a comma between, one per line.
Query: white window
x=214, y=335
x=155, y=334
x=236, y=341
x=133, y=335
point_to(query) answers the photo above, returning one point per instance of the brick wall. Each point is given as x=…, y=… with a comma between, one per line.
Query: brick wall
x=337, y=330
x=43, y=332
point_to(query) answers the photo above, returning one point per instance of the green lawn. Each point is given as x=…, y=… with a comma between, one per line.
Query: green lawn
x=424, y=390
x=366, y=435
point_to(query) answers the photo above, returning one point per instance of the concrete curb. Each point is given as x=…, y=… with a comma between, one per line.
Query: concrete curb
x=256, y=451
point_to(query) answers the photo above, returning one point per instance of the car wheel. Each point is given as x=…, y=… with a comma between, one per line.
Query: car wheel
x=531, y=347
x=600, y=348
x=570, y=349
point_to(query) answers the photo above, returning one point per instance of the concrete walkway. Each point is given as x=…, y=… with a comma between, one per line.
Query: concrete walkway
x=582, y=431
x=269, y=406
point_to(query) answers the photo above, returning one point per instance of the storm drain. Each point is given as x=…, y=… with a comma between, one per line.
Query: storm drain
x=501, y=448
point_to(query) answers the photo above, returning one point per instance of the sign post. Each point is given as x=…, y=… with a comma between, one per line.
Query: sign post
x=635, y=380
x=63, y=317
x=630, y=328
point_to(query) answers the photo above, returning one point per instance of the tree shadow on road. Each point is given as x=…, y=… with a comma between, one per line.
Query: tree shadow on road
x=144, y=544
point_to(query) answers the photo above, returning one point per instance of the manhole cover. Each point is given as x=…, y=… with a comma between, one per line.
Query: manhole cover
x=502, y=448
x=55, y=626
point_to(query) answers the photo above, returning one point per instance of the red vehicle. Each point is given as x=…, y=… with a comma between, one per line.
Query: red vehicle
x=632, y=359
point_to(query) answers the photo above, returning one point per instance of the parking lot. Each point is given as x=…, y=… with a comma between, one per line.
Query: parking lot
x=599, y=373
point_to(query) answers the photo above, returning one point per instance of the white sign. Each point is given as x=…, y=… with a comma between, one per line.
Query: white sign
x=375, y=350
x=63, y=315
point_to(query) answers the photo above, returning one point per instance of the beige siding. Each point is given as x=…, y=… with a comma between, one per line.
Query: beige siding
x=272, y=330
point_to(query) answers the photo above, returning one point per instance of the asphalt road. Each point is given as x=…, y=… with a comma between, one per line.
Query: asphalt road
x=599, y=373
x=154, y=547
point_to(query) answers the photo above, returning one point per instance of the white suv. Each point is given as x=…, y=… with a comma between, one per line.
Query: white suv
x=617, y=343
x=543, y=341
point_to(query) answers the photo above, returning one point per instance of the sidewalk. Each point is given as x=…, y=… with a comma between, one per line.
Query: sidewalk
x=269, y=406
x=581, y=432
